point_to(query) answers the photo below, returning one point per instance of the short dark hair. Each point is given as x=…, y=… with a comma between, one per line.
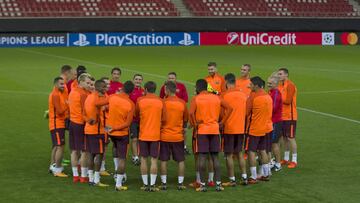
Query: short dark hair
x=247, y=65
x=116, y=69
x=80, y=70
x=171, y=87
x=201, y=85
x=104, y=78
x=230, y=78
x=285, y=70
x=172, y=73
x=257, y=81
x=137, y=74
x=128, y=87
x=150, y=86
x=98, y=84
x=65, y=68
x=212, y=64
x=57, y=79
x=93, y=79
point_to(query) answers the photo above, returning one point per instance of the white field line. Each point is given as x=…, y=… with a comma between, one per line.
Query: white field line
x=330, y=91
x=186, y=82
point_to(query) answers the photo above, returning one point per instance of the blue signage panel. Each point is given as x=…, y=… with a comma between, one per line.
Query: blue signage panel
x=34, y=40
x=135, y=39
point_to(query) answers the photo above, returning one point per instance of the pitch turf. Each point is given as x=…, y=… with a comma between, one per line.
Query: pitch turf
x=328, y=146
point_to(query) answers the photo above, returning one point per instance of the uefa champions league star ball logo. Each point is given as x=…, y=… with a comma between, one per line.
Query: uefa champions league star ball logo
x=328, y=38
x=233, y=38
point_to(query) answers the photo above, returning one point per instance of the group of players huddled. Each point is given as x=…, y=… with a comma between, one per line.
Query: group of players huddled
x=228, y=114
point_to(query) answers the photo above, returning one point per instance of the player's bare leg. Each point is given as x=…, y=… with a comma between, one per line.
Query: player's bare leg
x=120, y=175
x=202, y=169
x=217, y=169
x=211, y=172
x=230, y=170
x=74, y=165
x=59, y=152
x=135, y=153
x=293, y=147
x=252, y=163
x=286, y=146
x=153, y=174
x=52, y=159
x=181, y=175
x=265, y=165
x=276, y=152
x=85, y=170
x=163, y=174
x=144, y=173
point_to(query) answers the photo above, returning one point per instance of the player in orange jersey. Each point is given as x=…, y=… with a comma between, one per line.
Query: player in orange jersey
x=216, y=82
x=121, y=114
x=150, y=109
x=57, y=113
x=289, y=115
x=204, y=116
x=95, y=131
x=259, y=113
x=243, y=82
x=172, y=137
x=234, y=130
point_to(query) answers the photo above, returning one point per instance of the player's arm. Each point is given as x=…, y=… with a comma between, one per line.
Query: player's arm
x=163, y=113
x=289, y=94
x=227, y=111
x=59, y=109
x=192, y=112
x=185, y=116
x=101, y=101
x=127, y=122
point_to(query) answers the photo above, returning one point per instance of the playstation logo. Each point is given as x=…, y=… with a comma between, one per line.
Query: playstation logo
x=187, y=40
x=82, y=41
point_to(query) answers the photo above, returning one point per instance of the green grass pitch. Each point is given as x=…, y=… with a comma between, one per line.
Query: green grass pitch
x=328, y=146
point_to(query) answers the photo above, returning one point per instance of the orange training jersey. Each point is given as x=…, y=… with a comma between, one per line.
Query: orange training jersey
x=176, y=116
x=217, y=82
x=121, y=114
x=150, y=109
x=77, y=99
x=236, y=122
x=259, y=111
x=92, y=110
x=58, y=108
x=243, y=86
x=206, y=109
x=74, y=84
x=288, y=92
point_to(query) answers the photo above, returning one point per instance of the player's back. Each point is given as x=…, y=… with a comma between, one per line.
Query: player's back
x=261, y=114
x=150, y=109
x=207, y=113
x=119, y=108
x=172, y=128
x=236, y=122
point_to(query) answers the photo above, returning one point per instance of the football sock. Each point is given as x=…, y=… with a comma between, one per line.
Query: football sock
x=116, y=163
x=97, y=177
x=232, y=178
x=153, y=179
x=91, y=176
x=180, y=179
x=294, y=158
x=244, y=175
x=102, y=166
x=253, y=172
x=84, y=172
x=119, y=179
x=265, y=169
x=145, y=179
x=211, y=177
x=198, y=177
x=286, y=155
x=163, y=179
x=75, y=171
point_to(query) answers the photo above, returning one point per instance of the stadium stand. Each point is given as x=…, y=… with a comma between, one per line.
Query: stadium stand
x=297, y=8
x=83, y=8
x=218, y=8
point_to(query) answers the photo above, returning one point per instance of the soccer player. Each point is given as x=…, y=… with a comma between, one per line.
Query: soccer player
x=121, y=114
x=204, y=116
x=57, y=113
x=172, y=137
x=66, y=74
x=233, y=131
x=259, y=112
x=115, y=83
x=273, y=83
x=105, y=115
x=134, y=128
x=216, y=82
x=289, y=115
x=77, y=99
x=95, y=131
x=181, y=92
x=150, y=109
x=92, y=84
x=79, y=70
x=243, y=82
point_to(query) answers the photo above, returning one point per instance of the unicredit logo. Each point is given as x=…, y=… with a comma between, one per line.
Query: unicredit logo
x=261, y=38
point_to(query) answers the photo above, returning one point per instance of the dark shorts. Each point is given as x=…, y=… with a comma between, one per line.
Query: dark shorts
x=58, y=137
x=256, y=143
x=176, y=149
x=276, y=133
x=121, y=145
x=76, y=136
x=268, y=142
x=289, y=129
x=134, y=130
x=95, y=144
x=207, y=143
x=232, y=143
x=149, y=148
